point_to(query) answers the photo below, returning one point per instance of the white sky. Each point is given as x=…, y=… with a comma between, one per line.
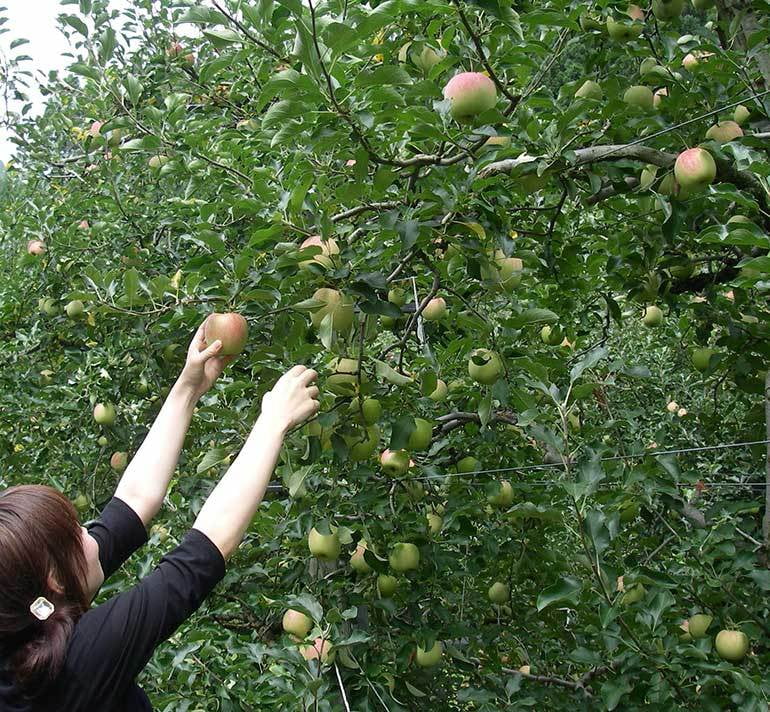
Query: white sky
x=34, y=20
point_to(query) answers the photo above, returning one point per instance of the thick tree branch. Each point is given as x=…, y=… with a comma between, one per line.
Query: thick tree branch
x=353, y=212
x=457, y=419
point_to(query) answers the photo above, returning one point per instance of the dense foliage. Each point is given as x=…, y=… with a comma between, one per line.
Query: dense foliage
x=175, y=171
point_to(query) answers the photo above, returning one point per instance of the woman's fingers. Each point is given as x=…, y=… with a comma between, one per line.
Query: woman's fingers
x=308, y=375
x=313, y=391
x=210, y=351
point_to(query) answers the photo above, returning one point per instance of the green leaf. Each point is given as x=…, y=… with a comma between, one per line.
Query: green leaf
x=307, y=604
x=223, y=37
x=204, y=16
x=131, y=285
x=212, y=458
x=565, y=589
x=389, y=374
x=75, y=22
x=107, y=43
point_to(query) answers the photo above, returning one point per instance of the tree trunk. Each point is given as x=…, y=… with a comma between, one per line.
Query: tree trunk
x=766, y=520
x=737, y=22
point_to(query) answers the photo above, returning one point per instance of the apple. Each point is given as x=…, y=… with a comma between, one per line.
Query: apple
x=36, y=248
x=639, y=96
x=668, y=186
x=501, y=272
x=157, y=162
x=344, y=379
x=421, y=436
x=672, y=406
x=230, y=328
x=174, y=49
x=635, y=13
x=648, y=65
x=369, y=410
x=415, y=491
x=357, y=560
x=468, y=464
x=323, y=546
x=429, y=658
x=104, y=413
x=404, y=557
x=701, y=358
x=623, y=31
x=484, y=366
x=732, y=645
x=653, y=316
x=504, y=495
x=658, y=97
x=724, y=132
x=296, y=624
x=81, y=503
x=634, y=594
x=703, y=4
x=362, y=447
x=469, y=94
x=698, y=624
x=397, y=296
x=440, y=392
x=435, y=523
x=498, y=593
x=339, y=305
x=102, y=441
x=682, y=270
x=551, y=335
x=693, y=59
x=428, y=58
x=588, y=23
x=386, y=585
x=118, y=461
x=741, y=114
x=394, y=462
x=74, y=309
x=47, y=306
x=329, y=248
x=667, y=9
x=320, y=648
x=434, y=309
x=589, y=89
x=695, y=169
x=647, y=177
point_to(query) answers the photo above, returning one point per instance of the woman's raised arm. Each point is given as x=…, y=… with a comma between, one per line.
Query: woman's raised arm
x=145, y=481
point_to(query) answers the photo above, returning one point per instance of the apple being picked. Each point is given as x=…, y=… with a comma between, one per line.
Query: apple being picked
x=231, y=329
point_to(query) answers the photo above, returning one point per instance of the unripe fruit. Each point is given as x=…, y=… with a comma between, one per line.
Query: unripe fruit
x=118, y=461
x=47, y=306
x=470, y=94
x=468, y=464
x=362, y=446
x=732, y=645
x=104, y=413
x=429, y=658
x=701, y=358
x=484, y=366
x=323, y=546
x=634, y=594
x=695, y=169
x=296, y=623
x=672, y=407
x=741, y=114
x=81, y=503
x=698, y=624
x=421, y=436
x=724, y=132
x=428, y=58
x=498, y=593
x=623, y=31
x=386, y=585
x=653, y=316
x=74, y=309
x=339, y=305
x=394, y=462
x=667, y=9
x=357, y=560
x=102, y=441
x=157, y=162
x=551, y=335
x=434, y=309
x=440, y=392
x=404, y=557
x=230, y=328
x=639, y=96
x=589, y=89
x=502, y=273
x=504, y=496
x=435, y=522
x=397, y=296
x=369, y=410
x=703, y=4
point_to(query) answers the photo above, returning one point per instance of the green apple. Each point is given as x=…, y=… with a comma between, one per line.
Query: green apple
x=362, y=446
x=296, y=624
x=81, y=503
x=404, y=557
x=344, y=380
x=698, y=624
x=74, y=309
x=640, y=96
x=421, y=436
x=102, y=441
x=589, y=89
x=741, y=114
x=484, y=366
x=397, y=296
x=47, y=306
x=386, y=585
x=394, y=462
x=429, y=658
x=732, y=645
x=357, y=560
x=724, y=132
x=623, y=31
x=551, y=335
x=338, y=305
x=369, y=410
x=503, y=497
x=468, y=464
x=498, y=592
x=435, y=309
x=324, y=546
x=440, y=392
x=667, y=9
x=701, y=357
x=104, y=413
x=633, y=594
x=319, y=649
x=435, y=523
x=653, y=316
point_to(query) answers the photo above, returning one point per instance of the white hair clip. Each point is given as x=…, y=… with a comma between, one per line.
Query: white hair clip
x=42, y=608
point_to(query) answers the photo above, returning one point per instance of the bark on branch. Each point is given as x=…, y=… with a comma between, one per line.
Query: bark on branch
x=457, y=419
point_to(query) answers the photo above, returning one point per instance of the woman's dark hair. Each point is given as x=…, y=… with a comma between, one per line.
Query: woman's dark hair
x=41, y=554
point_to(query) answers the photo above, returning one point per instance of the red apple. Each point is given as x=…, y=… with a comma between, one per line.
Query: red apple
x=231, y=329
x=36, y=247
x=695, y=169
x=470, y=93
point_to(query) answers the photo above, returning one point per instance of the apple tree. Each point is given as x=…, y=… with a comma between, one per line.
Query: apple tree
x=526, y=247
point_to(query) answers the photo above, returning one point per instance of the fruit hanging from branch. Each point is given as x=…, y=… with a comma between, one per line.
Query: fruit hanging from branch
x=230, y=328
x=404, y=557
x=732, y=645
x=430, y=657
x=470, y=94
x=296, y=624
x=104, y=413
x=695, y=169
x=485, y=366
x=324, y=546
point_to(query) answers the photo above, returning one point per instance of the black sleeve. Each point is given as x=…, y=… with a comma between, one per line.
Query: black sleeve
x=119, y=533
x=113, y=642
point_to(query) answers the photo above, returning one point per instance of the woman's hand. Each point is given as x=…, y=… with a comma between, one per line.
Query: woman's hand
x=293, y=398
x=203, y=366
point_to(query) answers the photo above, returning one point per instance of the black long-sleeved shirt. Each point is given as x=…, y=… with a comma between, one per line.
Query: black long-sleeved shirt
x=113, y=642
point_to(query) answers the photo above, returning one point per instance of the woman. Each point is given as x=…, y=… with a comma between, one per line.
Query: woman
x=56, y=653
